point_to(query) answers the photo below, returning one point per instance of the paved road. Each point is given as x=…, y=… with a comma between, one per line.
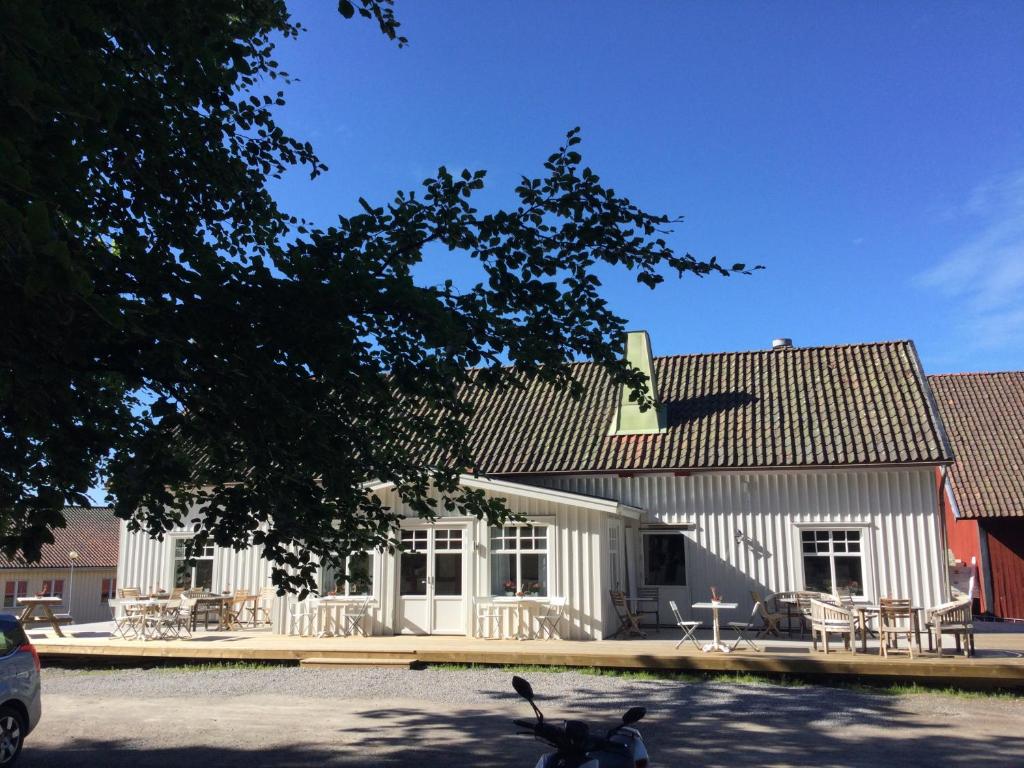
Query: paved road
x=291, y=717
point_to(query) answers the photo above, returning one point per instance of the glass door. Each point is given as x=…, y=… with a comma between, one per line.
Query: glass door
x=431, y=582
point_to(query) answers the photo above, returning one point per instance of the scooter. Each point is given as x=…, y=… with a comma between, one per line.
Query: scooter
x=621, y=747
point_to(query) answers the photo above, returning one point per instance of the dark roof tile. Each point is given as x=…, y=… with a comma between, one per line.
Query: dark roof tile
x=984, y=416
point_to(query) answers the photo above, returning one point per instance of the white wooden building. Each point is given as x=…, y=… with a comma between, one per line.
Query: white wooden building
x=80, y=567
x=772, y=470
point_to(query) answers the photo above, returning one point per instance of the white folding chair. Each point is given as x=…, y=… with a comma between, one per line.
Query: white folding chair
x=488, y=619
x=303, y=616
x=126, y=624
x=352, y=618
x=740, y=627
x=549, y=617
x=688, y=627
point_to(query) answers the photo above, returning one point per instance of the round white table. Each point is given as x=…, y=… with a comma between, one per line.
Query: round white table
x=716, y=643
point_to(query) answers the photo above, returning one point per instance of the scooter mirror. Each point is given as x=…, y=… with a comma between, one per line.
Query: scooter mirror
x=633, y=715
x=523, y=688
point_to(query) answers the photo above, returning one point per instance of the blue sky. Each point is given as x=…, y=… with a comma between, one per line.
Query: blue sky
x=870, y=156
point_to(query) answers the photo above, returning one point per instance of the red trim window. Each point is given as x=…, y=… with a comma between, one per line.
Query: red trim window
x=12, y=591
x=53, y=588
x=108, y=590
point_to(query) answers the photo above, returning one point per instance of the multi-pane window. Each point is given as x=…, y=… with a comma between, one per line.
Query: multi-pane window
x=412, y=571
x=359, y=568
x=53, y=588
x=197, y=574
x=108, y=590
x=664, y=559
x=448, y=561
x=519, y=560
x=833, y=559
x=12, y=591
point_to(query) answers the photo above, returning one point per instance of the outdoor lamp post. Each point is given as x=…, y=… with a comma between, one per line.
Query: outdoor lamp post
x=73, y=557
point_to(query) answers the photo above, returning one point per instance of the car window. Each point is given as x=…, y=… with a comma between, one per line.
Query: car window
x=12, y=636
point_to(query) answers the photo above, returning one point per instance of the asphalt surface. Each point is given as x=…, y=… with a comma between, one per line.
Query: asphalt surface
x=292, y=717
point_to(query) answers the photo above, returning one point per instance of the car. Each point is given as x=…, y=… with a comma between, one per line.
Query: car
x=20, y=701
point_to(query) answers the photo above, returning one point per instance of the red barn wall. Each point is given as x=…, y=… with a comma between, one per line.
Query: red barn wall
x=1006, y=559
x=963, y=539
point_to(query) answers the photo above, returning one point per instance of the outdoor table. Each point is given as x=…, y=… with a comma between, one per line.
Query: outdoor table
x=519, y=605
x=716, y=643
x=45, y=605
x=218, y=603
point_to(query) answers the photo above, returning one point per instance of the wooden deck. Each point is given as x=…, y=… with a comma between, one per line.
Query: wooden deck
x=999, y=663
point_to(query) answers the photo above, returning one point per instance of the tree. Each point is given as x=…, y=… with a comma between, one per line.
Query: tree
x=166, y=325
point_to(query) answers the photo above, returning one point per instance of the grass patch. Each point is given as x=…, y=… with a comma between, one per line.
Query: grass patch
x=747, y=678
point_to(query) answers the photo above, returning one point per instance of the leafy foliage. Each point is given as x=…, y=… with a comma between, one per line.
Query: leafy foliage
x=163, y=323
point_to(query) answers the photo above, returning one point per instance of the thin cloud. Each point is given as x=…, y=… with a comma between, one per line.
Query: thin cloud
x=984, y=277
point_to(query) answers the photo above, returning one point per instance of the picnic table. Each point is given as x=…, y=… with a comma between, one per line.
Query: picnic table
x=45, y=606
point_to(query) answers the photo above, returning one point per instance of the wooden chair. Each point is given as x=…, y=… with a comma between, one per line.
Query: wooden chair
x=741, y=628
x=772, y=619
x=648, y=603
x=688, y=627
x=129, y=593
x=629, y=622
x=830, y=619
x=262, y=613
x=895, y=619
x=953, y=618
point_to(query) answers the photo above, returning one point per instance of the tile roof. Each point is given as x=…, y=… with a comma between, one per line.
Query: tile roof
x=984, y=416
x=91, y=531
x=857, y=404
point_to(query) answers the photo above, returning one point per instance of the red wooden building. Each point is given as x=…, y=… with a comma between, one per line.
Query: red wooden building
x=984, y=417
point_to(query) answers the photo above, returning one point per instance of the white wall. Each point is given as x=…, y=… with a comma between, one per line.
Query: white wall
x=897, y=508
x=81, y=599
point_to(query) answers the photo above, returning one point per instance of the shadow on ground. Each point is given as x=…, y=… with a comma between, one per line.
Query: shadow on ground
x=691, y=725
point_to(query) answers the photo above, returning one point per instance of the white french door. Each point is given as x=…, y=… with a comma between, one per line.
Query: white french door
x=432, y=581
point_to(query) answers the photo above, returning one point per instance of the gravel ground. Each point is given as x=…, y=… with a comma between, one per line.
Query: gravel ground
x=285, y=716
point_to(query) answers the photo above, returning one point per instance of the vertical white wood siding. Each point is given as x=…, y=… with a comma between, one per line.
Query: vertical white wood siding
x=747, y=525
x=745, y=535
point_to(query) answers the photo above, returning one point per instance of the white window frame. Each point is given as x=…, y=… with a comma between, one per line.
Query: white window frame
x=867, y=549
x=548, y=551
x=347, y=586
x=173, y=558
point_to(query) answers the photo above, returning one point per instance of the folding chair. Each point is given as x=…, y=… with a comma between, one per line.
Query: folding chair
x=126, y=623
x=741, y=627
x=303, y=616
x=688, y=627
x=629, y=622
x=351, y=621
x=261, y=613
x=488, y=619
x=772, y=619
x=550, y=617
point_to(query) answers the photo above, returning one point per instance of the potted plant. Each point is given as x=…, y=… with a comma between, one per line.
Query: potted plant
x=535, y=588
x=510, y=588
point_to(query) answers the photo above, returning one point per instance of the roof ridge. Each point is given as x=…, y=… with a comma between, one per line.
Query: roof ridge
x=974, y=373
